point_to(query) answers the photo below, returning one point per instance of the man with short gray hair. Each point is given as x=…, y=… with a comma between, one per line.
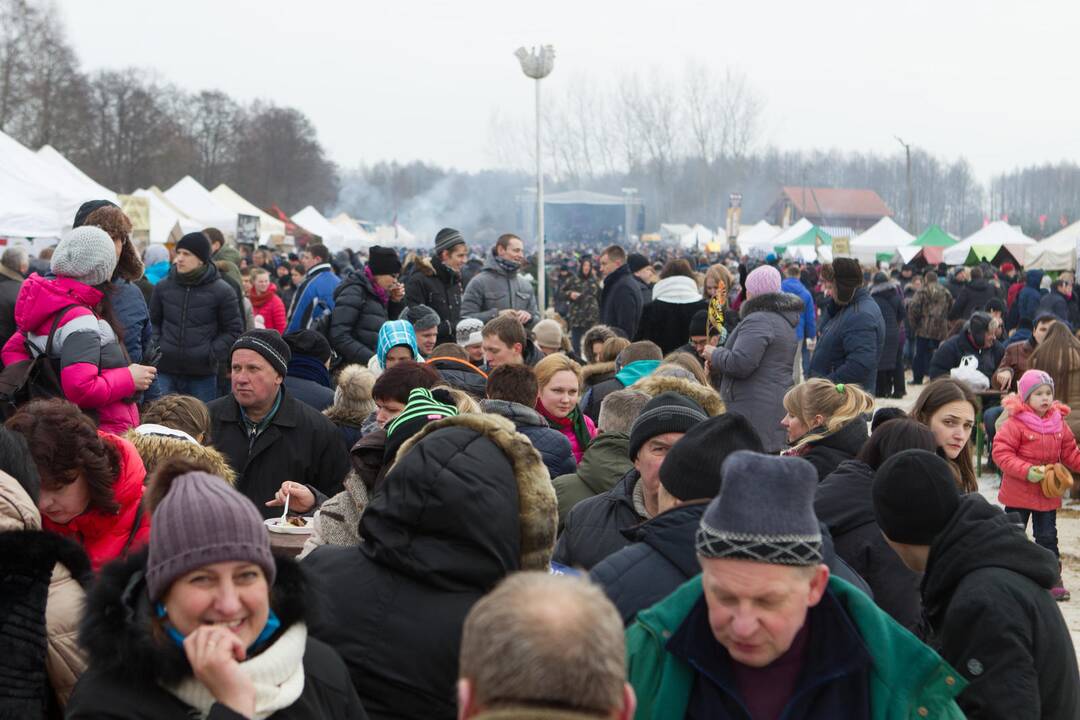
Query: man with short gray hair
x=543, y=647
x=14, y=265
x=606, y=460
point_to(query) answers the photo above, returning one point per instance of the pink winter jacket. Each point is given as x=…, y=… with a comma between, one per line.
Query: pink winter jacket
x=1025, y=440
x=93, y=365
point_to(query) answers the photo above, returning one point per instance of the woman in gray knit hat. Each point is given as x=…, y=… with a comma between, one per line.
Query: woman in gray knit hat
x=206, y=623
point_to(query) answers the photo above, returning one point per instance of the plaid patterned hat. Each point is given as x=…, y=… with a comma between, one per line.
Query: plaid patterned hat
x=764, y=512
x=394, y=333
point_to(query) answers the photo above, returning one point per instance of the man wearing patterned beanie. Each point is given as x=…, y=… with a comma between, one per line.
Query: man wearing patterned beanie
x=765, y=632
x=276, y=444
x=593, y=529
x=437, y=282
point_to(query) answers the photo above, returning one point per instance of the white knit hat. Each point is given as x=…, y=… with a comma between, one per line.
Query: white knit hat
x=86, y=254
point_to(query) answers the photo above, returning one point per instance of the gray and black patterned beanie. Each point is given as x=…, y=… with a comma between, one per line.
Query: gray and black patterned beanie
x=764, y=512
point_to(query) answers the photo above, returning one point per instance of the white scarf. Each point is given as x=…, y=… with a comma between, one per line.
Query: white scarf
x=676, y=289
x=277, y=672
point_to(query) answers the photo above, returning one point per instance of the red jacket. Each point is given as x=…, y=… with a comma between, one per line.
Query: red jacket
x=1014, y=292
x=269, y=306
x=1025, y=440
x=104, y=535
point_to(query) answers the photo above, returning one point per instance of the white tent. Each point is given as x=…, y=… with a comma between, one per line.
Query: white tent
x=313, y=221
x=995, y=234
x=196, y=202
x=685, y=236
x=394, y=236
x=36, y=200
x=759, y=235
x=90, y=189
x=885, y=236
x=1057, y=252
x=356, y=238
x=793, y=233
x=163, y=217
x=229, y=198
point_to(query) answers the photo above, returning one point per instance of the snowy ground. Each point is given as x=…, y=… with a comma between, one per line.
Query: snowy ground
x=1068, y=525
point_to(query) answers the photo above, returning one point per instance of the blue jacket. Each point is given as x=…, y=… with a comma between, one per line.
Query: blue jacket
x=131, y=311
x=314, y=297
x=807, y=327
x=850, y=343
x=1028, y=300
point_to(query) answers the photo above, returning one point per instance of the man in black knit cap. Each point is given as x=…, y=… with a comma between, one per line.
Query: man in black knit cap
x=852, y=331
x=277, y=445
x=985, y=591
x=195, y=320
x=436, y=283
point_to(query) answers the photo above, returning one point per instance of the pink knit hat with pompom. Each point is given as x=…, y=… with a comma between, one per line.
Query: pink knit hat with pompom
x=1031, y=381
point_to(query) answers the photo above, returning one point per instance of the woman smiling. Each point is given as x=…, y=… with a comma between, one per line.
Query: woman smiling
x=207, y=623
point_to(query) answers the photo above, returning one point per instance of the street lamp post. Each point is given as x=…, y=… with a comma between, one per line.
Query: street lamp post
x=538, y=64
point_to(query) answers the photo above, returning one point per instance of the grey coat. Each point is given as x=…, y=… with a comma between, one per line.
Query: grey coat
x=757, y=361
x=493, y=290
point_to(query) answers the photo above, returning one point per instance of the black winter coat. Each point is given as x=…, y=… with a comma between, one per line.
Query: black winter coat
x=827, y=453
x=9, y=291
x=663, y=556
x=1056, y=304
x=845, y=504
x=849, y=342
x=439, y=533
x=437, y=286
x=300, y=444
x=986, y=596
x=356, y=318
x=952, y=351
x=621, y=302
x=553, y=446
x=128, y=664
x=666, y=319
x=592, y=530
x=888, y=300
x=971, y=297
x=309, y=392
x=462, y=375
x=194, y=325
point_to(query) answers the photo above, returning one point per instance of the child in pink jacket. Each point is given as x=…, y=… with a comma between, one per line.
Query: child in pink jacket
x=1034, y=435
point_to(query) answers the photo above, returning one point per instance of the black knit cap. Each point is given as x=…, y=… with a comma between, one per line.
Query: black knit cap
x=691, y=470
x=698, y=323
x=915, y=496
x=383, y=261
x=668, y=412
x=267, y=343
x=848, y=277
x=197, y=244
x=87, y=208
x=310, y=343
x=636, y=261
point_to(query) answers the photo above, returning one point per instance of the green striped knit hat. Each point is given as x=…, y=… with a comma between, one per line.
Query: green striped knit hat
x=422, y=407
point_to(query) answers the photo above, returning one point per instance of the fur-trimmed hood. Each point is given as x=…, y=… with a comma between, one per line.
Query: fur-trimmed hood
x=440, y=515
x=706, y=397
x=155, y=449
x=594, y=372
x=117, y=630
x=786, y=305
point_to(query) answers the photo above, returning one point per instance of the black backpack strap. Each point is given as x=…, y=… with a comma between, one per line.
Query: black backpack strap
x=134, y=530
x=56, y=324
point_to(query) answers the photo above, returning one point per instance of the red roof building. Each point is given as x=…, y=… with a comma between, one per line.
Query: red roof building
x=830, y=207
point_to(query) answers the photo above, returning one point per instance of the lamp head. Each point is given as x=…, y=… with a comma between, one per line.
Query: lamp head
x=536, y=64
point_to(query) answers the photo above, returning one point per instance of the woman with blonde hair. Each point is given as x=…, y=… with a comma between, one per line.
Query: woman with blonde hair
x=948, y=408
x=1058, y=355
x=178, y=425
x=719, y=283
x=826, y=422
x=558, y=380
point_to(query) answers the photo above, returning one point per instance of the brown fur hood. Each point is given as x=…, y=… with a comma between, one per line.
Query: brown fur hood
x=155, y=449
x=706, y=397
x=595, y=370
x=422, y=264
x=538, y=509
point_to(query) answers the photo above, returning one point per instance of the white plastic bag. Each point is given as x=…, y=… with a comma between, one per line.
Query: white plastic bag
x=968, y=372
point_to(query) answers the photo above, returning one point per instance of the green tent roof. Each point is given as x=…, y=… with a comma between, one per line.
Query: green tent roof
x=934, y=236
x=808, y=238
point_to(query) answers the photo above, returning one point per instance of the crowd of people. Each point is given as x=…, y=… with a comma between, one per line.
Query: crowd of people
x=671, y=494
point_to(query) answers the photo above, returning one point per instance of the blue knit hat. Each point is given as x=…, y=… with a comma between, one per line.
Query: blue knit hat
x=394, y=333
x=764, y=512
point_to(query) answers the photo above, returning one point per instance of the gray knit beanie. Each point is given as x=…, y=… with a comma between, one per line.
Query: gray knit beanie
x=764, y=512
x=203, y=520
x=86, y=254
x=447, y=239
x=421, y=317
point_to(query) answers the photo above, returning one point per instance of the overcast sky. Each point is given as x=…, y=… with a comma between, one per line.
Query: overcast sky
x=994, y=81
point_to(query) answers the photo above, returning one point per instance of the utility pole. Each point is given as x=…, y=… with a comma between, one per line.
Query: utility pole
x=910, y=197
x=537, y=65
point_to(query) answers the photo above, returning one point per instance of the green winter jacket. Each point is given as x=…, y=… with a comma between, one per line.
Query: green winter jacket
x=603, y=464
x=908, y=680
